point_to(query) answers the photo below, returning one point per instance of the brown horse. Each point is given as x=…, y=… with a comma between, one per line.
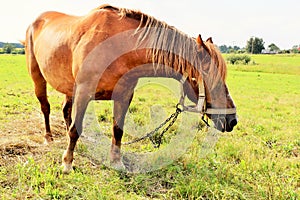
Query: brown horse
x=100, y=56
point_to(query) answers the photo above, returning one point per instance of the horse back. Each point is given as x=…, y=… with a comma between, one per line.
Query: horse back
x=59, y=43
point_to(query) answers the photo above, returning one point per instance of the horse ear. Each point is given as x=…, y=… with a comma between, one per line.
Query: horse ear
x=199, y=40
x=201, y=43
x=209, y=40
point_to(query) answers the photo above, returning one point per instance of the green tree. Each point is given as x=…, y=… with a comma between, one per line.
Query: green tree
x=273, y=47
x=223, y=49
x=255, y=45
x=295, y=49
x=8, y=48
x=229, y=49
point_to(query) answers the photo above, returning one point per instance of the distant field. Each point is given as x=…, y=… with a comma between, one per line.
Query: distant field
x=260, y=159
x=281, y=63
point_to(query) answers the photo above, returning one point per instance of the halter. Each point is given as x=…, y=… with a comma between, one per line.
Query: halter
x=200, y=107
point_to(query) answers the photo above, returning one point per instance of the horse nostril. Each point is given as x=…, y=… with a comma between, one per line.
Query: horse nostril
x=233, y=122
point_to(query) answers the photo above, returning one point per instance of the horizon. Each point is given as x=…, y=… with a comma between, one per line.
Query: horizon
x=230, y=23
x=228, y=46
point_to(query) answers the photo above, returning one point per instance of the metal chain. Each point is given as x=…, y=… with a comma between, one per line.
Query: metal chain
x=154, y=136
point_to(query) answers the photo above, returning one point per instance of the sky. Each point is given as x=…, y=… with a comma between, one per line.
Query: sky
x=230, y=22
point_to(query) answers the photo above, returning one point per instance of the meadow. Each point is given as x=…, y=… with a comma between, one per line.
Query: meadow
x=260, y=159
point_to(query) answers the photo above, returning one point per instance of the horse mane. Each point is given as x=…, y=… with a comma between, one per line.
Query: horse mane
x=217, y=66
x=166, y=42
x=124, y=12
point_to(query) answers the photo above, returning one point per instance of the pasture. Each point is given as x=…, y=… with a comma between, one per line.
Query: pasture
x=260, y=159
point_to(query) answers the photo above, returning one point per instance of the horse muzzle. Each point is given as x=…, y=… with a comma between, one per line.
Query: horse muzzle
x=225, y=122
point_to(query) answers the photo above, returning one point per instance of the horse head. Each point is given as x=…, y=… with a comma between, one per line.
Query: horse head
x=218, y=104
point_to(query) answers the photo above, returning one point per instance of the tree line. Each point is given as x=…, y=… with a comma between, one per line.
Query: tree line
x=11, y=48
x=256, y=45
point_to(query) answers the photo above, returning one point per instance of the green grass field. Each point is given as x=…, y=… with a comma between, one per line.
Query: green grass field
x=260, y=159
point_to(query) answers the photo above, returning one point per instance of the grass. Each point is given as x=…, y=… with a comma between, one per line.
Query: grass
x=281, y=63
x=258, y=160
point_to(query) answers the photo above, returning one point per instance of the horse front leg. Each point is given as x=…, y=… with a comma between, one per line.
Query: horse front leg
x=115, y=152
x=121, y=105
x=81, y=101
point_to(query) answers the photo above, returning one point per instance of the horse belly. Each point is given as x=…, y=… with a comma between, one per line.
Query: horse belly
x=61, y=81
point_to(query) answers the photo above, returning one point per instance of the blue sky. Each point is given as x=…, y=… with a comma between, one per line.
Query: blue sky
x=230, y=22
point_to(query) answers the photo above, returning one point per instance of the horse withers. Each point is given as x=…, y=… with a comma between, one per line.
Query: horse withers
x=87, y=57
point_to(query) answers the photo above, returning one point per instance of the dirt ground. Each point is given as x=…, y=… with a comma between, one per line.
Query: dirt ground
x=24, y=136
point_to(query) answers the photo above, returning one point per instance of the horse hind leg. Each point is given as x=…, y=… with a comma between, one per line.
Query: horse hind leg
x=45, y=107
x=67, y=111
x=40, y=84
x=40, y=89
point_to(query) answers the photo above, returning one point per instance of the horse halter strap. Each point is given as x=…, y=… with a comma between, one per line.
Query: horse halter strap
x=201, y=104
x=200, y=107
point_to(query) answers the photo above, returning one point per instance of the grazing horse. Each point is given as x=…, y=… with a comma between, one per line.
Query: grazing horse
x=101, y=55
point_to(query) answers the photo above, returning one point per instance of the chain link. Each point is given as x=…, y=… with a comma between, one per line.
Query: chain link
x=156, y=137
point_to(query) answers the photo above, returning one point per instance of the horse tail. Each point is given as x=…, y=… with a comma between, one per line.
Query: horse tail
x=29, y=49
x=22, y=42
x=32, y=63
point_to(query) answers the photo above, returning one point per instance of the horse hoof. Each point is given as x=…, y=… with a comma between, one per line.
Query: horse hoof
x=119, y=166
x=48, y=140
x=67, y=168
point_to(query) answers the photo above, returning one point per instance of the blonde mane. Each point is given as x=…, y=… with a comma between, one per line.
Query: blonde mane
x=217, y=69
x=171, y=47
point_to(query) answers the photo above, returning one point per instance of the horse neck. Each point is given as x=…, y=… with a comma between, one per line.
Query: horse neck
x=166, y=64
x=167, y=46
x=181, y=63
